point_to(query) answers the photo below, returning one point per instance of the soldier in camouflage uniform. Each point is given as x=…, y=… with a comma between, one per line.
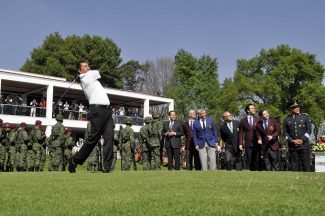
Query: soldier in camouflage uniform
x=2, y=142
x=94, y=155
x=22, y=142
x=115, y=148
x=12, y=148
x=144, y=142
x=43, y=143
x=127, y=146
x=68, y=145
x=36, y=138
x=155, y=137
x=57, y=141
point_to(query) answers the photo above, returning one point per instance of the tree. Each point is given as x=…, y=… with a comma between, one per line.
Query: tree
x=132, y=75
x=279, y=76
x=157, y=75
x=58, y=56
x=196, y=83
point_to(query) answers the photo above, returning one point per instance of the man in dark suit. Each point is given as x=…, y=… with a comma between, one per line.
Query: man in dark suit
x=268, y=131
x=172, y=133
x=248, y=139
x=205, y=139
x=229, y=134
x=191, y=152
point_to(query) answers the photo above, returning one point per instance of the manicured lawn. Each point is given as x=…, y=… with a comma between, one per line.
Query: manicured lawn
x=162, y=193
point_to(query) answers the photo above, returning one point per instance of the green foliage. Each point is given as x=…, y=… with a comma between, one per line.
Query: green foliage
x=58, y=56
x=132, y=73
x=163, y=193
x=196, y=83
x=279, y=76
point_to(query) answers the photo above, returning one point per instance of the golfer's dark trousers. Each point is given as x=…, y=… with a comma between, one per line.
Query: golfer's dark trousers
x=100, y=117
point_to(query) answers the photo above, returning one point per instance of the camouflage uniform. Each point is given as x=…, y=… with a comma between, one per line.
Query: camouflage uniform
x=3, y=137
x=115, y=148
x=68, y=145
x=94, y=155
x=126, y=145
x=144, y=142
x=22, y=142
x=12, y=148
x=155, y=130
x=43, y=143
x=36, y=152
x=57, y=140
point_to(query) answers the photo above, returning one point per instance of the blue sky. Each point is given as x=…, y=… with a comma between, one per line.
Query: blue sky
x=149, y=29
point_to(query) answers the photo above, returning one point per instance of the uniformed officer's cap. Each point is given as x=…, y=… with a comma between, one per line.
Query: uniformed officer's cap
x=38, y=122
x=147, y=119
x=23, y=124
x=68, y=130
x=12, y=126
x=293, y=105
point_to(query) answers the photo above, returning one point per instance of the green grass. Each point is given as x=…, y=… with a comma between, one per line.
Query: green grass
x=162, y=193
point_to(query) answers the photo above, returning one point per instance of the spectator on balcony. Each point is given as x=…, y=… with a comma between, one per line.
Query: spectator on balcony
x=66, y=110
x=76, y=110
x=42, y=105
x=33, y=105
x=8, y=107
x=81, y=111
x=19, y=104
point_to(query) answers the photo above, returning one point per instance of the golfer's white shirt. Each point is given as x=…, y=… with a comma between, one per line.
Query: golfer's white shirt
x=92, y=88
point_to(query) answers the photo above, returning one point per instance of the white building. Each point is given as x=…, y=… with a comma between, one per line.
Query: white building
x=29, y=86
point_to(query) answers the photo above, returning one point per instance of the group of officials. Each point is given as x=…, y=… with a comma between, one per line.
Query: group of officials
x=256, y=136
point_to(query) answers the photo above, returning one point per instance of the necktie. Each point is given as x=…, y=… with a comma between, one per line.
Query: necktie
x=265, y=125
x=171, y=123
x=191, y=124
x=203, y=121
x=251, y=121
x=230, y=127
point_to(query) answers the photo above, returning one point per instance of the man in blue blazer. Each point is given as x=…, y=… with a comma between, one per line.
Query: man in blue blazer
x=205, y=139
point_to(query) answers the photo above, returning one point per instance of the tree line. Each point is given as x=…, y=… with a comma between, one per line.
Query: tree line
x=271, y=80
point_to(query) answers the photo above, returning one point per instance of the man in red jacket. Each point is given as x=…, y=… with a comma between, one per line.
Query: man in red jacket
x=248, y=138
x=268, y=131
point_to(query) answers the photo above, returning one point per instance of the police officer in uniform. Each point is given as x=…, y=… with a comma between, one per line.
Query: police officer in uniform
x=297, y=130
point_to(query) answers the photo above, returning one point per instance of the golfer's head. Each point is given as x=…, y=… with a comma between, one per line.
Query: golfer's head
x=83, y=67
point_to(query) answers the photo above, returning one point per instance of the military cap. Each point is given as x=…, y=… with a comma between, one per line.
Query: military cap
x=59, y=117
x=293, y=104
x=128, y=121
x=147, y=119
x=12, y=126
x=68, y=130
x=38, y=122
x=23, y=124
x=155, y=115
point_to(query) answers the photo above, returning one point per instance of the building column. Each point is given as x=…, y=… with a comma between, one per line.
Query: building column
x=49, y=101
x=146, y=108
x=171, y=106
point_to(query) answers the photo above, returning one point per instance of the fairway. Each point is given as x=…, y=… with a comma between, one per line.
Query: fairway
x=162, y=193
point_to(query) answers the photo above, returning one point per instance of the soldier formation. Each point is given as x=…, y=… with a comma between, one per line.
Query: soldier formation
x=25, y=150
